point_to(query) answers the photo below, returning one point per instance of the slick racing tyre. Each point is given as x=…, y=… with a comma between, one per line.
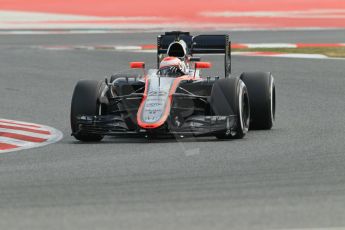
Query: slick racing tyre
x=262, y=97
x=85, y=101
x=229, y=96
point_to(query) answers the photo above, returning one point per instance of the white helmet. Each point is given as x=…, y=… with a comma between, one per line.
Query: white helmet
x=172, y=66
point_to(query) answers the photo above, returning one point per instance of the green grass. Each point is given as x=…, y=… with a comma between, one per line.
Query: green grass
x=338, y=52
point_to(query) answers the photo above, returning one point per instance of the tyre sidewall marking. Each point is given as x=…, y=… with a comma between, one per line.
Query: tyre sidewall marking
x=271, y=99
x=240, y=103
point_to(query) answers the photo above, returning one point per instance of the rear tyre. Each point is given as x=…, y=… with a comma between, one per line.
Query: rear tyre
x=262, y=96
x=229, y=96
x=85, y=101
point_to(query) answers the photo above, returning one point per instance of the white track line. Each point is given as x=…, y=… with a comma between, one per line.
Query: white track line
x=270, y=45
x=25, y=17
x=127, y=47
x=282, y=55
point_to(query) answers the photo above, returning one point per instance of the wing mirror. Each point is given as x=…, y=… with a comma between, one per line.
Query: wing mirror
x=137, y=65
x=203, y=65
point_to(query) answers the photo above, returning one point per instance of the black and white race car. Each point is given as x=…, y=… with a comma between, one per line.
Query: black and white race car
x=174, y=99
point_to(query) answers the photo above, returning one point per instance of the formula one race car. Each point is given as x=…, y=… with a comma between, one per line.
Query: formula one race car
x=174, y=99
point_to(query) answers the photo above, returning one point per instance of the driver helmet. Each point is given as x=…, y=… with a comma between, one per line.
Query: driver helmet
x=172, y=66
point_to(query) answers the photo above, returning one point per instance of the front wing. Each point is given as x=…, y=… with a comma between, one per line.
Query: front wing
x=193, y=126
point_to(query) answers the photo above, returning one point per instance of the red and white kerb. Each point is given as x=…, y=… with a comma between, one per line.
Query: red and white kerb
x=18, y=135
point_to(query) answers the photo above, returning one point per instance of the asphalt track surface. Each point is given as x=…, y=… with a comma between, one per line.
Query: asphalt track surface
x=291, y=177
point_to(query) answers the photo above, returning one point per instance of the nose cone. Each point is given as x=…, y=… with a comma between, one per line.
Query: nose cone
x=155, y=107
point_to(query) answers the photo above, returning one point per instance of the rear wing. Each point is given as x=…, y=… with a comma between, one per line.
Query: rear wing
x=200, y=44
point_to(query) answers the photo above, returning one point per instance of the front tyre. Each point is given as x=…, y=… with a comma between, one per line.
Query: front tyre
x=229, y=96
x=262, y=94
x=85, y=101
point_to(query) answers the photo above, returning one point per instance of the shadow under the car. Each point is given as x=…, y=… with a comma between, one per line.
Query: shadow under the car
x=142, y=140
